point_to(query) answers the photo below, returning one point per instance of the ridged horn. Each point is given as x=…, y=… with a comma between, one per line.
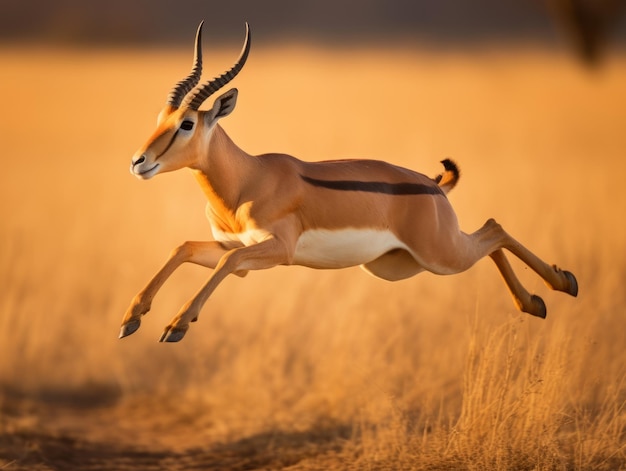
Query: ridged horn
x=204, y=91
x=183, y=87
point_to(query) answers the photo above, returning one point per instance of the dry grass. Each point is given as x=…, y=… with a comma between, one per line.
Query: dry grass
x=302, y=369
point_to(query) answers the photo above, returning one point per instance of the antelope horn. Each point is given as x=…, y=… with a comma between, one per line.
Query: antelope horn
x=204, y=91
x=183, y=87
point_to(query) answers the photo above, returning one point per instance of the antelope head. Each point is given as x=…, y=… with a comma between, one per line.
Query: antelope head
x=182, y=128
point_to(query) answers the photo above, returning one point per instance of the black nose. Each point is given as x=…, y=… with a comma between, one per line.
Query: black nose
x=139, y=160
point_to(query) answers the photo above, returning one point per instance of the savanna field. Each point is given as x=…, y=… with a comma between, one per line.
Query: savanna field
x=294, y=368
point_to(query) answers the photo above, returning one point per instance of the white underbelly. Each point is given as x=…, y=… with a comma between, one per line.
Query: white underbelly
x=323, y=248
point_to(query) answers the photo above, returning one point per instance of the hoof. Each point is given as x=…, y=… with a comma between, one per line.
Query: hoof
x=129, y=328
x=573, y=284
x=538, y=307
x=173, y=335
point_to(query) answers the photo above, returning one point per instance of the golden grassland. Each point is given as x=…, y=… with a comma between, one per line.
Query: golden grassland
x=303, y=369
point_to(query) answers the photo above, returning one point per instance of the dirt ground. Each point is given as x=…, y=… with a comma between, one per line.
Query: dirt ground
x=77, y=434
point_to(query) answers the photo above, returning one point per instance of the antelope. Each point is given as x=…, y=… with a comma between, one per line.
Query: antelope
x=275, y=209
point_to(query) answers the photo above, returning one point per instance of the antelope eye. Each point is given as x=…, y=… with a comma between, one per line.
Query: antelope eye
x=186, y=125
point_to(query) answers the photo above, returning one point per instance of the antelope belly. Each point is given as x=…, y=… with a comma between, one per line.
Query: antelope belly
x=323, y=248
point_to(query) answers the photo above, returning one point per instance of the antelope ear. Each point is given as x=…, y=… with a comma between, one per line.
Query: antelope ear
x=223, y=106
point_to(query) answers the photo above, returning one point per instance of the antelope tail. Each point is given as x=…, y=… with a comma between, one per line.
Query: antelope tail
x=450, y=176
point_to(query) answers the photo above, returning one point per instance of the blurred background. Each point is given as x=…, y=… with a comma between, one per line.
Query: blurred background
x=296, y=367
x=587, y=25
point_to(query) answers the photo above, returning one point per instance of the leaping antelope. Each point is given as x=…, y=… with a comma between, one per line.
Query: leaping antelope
x=274, y=209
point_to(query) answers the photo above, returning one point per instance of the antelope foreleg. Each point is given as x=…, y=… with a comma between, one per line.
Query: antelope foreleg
x=266, y=254
x=206, y=254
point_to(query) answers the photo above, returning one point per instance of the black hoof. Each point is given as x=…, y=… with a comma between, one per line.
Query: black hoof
x=173, y=335
x=538, y=308
x=129, y=328
x=573, y=284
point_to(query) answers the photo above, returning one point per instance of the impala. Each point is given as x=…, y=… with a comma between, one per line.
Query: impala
x=274, y=209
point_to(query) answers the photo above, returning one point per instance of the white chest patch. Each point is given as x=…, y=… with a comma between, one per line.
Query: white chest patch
x=323, y=248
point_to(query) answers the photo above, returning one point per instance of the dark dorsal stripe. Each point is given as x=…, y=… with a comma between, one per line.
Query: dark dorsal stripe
x=376, y=187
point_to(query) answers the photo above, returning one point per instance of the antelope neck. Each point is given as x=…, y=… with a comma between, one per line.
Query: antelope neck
x=223, y=170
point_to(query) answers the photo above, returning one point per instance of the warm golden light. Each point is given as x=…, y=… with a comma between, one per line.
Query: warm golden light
x=325, y=369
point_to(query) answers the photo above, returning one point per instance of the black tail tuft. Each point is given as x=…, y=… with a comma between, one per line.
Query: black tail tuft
x=449, y=178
